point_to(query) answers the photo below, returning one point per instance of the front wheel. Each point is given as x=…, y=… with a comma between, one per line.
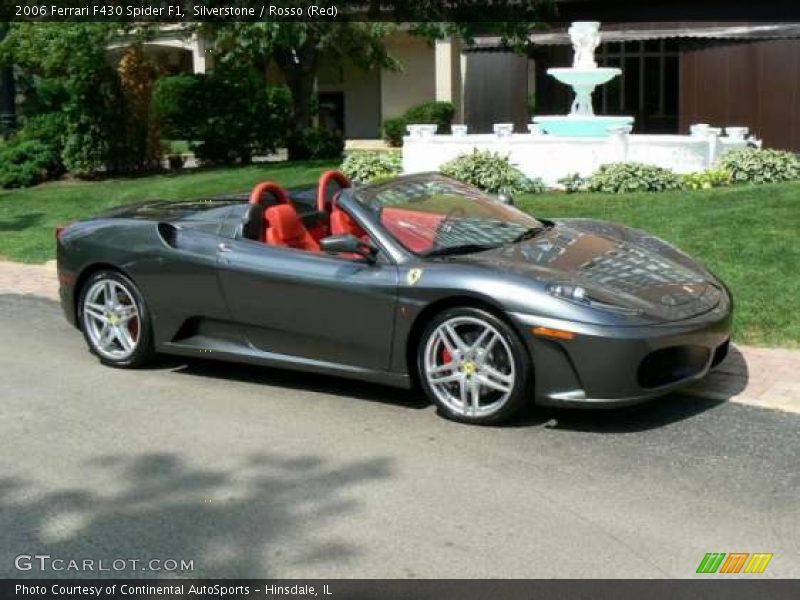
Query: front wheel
x=115, y=320
x=473, y=366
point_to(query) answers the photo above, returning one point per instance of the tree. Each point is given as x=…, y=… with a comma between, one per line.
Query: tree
x=297, y=47
x=95, y=108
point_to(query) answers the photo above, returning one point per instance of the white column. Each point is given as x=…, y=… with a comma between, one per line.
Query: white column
x=201, y=58
x=618, y=143
x=713, y=148
x=448, y=74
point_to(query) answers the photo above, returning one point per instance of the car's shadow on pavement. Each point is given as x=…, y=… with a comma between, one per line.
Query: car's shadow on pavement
x=296, y=380
x=652, y=414
x=729, y=379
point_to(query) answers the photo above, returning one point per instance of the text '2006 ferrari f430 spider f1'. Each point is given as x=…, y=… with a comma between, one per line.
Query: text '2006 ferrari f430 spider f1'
x=419, y=280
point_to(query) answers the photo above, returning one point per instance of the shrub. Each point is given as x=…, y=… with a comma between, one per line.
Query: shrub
x=33, y=155
x=750, y=165
x=312, y=143
x=393, y=131
x=367, y=167
x=705, y=180
x=27, y=162
x=620, y=178
x=46, y=128
x=434, y=112
x=138, y=75
x=574, y=183
x=68, y=68
x=491, y=172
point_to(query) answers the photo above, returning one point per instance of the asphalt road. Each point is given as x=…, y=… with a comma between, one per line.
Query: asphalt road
x=255, y=472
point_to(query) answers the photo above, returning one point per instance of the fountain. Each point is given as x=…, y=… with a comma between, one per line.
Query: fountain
x=583, y=77
x=580, y=142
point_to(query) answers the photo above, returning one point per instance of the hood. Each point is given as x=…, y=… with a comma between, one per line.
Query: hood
x=616, y=265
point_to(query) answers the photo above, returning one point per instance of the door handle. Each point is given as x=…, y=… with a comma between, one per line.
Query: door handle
x=223, y=247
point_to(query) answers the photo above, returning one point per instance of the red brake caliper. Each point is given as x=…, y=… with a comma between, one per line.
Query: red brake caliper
x=133, y=327
x=446, y=356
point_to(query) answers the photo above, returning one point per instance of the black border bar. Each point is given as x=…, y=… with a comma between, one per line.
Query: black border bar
x=717, y=588
x=402, y=10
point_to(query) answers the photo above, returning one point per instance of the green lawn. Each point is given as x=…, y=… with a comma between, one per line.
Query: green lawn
x=749, y=236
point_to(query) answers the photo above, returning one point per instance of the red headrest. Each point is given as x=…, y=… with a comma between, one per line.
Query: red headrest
x=322, y=188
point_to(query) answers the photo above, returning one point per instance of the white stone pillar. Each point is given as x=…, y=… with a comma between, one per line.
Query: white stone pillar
x=618, y=143
x=713, y=147
x=449, y=80
x=201, y=58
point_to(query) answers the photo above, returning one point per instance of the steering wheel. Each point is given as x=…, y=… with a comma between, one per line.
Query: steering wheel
x=268, y=187
x=323, y=204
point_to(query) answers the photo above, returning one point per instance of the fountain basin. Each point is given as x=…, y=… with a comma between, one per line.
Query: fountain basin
x=552, y=157
x=583, y=76
x=581, y=126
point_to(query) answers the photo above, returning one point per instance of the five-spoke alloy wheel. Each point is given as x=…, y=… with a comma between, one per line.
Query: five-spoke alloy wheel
x=473, y=366
x=114, y=320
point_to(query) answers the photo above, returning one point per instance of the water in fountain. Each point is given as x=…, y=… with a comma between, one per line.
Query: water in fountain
x=583, y=77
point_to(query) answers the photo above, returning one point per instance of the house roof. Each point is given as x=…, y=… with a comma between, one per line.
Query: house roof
x=625, y=32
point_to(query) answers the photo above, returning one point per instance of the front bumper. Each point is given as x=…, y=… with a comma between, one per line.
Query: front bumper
x=605, y=366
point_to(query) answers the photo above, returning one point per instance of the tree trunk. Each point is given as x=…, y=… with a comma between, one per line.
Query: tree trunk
x=8, y=93
x=299, y=69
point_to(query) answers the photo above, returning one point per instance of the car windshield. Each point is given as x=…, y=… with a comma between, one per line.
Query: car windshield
x=435, y=215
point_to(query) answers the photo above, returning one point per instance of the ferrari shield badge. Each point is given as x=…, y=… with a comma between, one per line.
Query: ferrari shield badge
x=413, y=276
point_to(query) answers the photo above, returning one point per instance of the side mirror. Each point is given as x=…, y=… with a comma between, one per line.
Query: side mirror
x=506, y=199
x=348, y=244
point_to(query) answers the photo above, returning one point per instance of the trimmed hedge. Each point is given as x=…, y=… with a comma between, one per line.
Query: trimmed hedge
x=393, y=131
x=313, y=143
x=438, y=112
x=228, y=115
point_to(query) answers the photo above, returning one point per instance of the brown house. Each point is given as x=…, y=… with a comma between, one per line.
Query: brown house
x=674, y=74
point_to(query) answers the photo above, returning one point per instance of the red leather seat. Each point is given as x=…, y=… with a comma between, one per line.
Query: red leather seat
x=342, y=224
x=284, y=228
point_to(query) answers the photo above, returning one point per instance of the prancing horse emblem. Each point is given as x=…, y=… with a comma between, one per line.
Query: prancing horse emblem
x=413, y=276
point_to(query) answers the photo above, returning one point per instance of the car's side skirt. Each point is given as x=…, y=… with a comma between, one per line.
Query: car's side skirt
x=200, y=346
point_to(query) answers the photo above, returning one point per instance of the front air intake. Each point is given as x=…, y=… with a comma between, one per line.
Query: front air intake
x=670, y=365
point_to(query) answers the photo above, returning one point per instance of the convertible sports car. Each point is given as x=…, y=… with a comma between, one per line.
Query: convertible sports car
x=417, y=280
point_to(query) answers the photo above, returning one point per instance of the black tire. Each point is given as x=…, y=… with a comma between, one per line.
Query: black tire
x=512, y=349
x=143, y=351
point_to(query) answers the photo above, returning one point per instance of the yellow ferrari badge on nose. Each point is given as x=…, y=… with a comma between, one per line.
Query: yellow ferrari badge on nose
x=413, y=276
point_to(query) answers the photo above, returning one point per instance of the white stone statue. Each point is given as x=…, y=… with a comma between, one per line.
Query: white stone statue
x=585, y=36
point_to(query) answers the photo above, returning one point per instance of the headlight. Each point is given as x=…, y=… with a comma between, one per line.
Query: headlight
x=580, y=295
x=567, y=292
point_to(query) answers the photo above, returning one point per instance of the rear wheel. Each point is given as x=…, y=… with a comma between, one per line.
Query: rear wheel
x=115, y=320
x=473, y=366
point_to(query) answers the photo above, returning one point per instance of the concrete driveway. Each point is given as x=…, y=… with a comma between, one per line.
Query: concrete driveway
x=254, y=472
